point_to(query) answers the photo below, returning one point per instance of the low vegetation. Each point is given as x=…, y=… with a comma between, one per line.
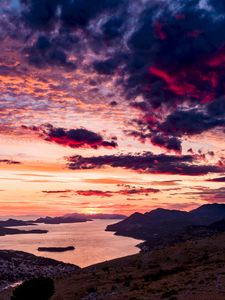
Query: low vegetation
x=36, y=289
x=190, y=270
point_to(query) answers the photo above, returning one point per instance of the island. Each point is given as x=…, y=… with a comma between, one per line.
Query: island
x=56, y=249
x=9, y=231
x=14, y=222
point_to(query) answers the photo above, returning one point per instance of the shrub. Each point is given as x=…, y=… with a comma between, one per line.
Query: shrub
x=127, y=283
x=162, y=273
x=91, y=290
x=117, y=280
x=134, y=287
x=169, y=294
x=129, y=277
x=35, y=289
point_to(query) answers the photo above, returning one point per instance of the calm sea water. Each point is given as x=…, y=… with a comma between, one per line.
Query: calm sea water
x=93, y=244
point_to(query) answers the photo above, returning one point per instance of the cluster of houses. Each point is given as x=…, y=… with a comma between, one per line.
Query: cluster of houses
x=17, y=266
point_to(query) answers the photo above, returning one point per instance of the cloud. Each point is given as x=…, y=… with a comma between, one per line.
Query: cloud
x=173, y=59
x=169, y=143
x=189, y=122
x=99, y=193
x=51, y=51
x=166, y=182
x=94, y=193
x=218, y=179
x=42, y=13
x=166, y=58
x=9, y=162
x=57, y=192
x=74, y=138
x=210, y=195
x=138, y=191
x=180, y=123
x=111, y=181
x=146, y=162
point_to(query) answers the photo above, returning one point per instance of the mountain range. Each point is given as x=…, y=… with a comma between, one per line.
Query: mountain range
x=163, y=226
x=75, y=218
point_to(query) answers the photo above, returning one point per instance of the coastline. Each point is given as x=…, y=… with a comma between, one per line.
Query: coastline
x=83, y=236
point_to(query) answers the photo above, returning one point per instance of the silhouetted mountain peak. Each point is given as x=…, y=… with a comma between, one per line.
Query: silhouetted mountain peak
x=168, y=223
x=209, y=207
x=165, y=212
x=209, y=212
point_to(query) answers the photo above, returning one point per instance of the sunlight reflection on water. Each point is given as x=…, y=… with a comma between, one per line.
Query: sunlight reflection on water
x=93, y=244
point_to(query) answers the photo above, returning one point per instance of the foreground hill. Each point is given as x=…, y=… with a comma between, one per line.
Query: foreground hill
x=191, y=270
x=162, y=226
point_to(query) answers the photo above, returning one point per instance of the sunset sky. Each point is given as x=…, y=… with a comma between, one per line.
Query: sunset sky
x=111, y=105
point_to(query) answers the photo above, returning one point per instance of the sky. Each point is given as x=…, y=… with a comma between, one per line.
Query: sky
x=111, y=106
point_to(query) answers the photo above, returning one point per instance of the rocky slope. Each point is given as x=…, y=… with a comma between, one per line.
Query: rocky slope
x=16, y=266
x=190, y=270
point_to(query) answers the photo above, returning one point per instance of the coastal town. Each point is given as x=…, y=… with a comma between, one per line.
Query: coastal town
x=17, y=266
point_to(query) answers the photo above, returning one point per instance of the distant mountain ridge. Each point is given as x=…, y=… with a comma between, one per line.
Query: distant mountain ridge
x=76, y=218
x=67, y=218
x=62, y=219
x=99, y=216
x=162, y=226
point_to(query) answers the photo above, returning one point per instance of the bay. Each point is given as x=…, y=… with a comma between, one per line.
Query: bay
x=92, y=243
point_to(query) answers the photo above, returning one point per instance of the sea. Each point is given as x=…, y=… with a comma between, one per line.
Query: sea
x=92, y=243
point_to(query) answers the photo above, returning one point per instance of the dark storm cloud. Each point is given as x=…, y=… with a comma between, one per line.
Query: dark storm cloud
x=51, y=51
x=146, y=162
x=175, y=58
x=168, y=55
x=179, y=123
x=113, y=27
x=218, y=5
x=66, y=22
x=168, y=42
x=189, y=122
x=170, y=143
x=74, y=138
x=216, y=108
x=106, y=67
x=42, y=13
